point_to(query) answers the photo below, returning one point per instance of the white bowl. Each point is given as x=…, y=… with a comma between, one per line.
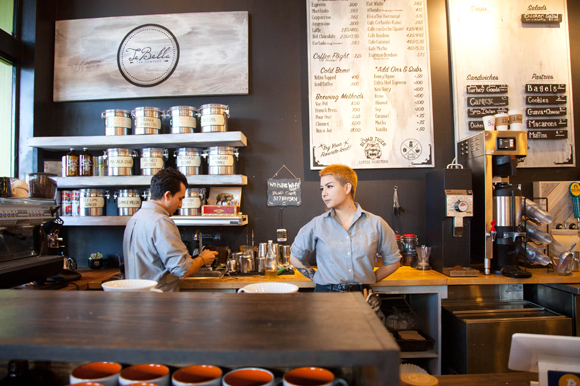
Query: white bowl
x=269, y=288
x=130, y=285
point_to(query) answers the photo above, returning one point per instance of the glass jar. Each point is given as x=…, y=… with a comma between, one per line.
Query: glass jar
x=409, y=242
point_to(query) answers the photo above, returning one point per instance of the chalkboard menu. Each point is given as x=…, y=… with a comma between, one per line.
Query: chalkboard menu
x=515, y=55
x=284, y=192
x=369, y=84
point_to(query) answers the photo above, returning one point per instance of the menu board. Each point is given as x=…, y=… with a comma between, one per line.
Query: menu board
x=515, y=55
x=369, y=84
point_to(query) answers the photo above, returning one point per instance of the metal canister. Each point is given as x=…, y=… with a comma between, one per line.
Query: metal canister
x=147, y=120
x=192, y=202
x=99, y=166
x=117, y=122
x=182, y=119
x=214, y=117
x=128, y=202
x=221, y=159
x=92, y=202
x=246, y=265
x=120, y=161
x=188, y=160
x=260, y=264
x=152, y=160
x=75, y=200
x=146, y=194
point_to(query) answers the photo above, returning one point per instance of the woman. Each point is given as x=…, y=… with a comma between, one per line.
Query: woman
x=346, y=239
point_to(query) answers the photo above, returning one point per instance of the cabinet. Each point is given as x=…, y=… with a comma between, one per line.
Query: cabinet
x=279, y=331
x=169, y=141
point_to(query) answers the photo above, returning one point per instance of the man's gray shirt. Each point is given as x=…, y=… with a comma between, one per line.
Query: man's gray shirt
x=153, y=249
x=346, y=256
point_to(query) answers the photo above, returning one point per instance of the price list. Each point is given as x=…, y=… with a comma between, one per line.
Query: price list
x=369, y=84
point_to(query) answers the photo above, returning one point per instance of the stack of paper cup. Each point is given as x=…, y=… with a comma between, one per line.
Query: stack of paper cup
x=515, y=119
x=489, y=122
x=501, y=121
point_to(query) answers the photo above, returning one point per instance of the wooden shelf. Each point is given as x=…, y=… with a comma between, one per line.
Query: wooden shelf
x=120, y=181
x=172, y=141
x=179, y=220
x=419, y=354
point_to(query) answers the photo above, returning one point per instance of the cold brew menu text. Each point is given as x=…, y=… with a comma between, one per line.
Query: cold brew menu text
x=369, y=84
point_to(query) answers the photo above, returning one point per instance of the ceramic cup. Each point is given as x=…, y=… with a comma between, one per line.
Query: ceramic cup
x=86, y=384
x=249, y=376
x=515, y=119
x=198, y=375
x=146, y=373
x=308, y=376
x=501, y=121
x=489, y=122
x=106, y=373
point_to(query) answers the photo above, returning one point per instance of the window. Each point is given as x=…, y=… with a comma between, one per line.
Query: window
x=7, y=71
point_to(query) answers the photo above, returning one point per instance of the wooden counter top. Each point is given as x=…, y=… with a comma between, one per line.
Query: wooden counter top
x=507, y=379
x=404, y=276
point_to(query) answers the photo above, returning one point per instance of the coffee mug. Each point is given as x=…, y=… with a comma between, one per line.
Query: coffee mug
x=307, y=376
x=501, y=121
x=198, y=375
x=249, y=376
x=106, y=373
x=86, y=384
x=146, y=373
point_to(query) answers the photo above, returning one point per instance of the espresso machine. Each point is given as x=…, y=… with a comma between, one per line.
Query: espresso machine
x=497, y=229
x=29, y=241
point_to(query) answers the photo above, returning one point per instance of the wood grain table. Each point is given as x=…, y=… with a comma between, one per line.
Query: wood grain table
x=224, y=329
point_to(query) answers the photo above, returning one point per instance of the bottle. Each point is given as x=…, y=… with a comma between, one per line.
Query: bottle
x=72, y=164
x=18, y=374
x=85, y=163
x=271, y=263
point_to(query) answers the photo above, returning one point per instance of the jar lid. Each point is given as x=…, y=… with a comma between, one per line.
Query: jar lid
x=410, y=235
x=397, y=236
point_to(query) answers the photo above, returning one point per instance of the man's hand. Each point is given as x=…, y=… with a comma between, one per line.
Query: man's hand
x=372, y=299
x=208, y=256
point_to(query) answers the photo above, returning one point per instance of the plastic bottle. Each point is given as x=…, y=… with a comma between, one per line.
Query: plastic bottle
x=72, y=164
x=18, y=374
x=271, y=263
x=85, y=163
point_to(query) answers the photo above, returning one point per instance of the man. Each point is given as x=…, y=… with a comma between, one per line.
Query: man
x=152, y=244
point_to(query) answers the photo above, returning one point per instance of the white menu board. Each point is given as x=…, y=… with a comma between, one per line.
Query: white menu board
x=515, y=55
x=369, y=84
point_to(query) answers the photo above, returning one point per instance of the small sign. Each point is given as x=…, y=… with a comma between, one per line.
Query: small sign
x=547, y=123
x=476, y=125
x=487, y=101
x=545, y=88
x=482, y=112
x=546, y=99
x=542, y=18
x=487, y=89
x=547, y=134
x=545, y=111
x=284, y=192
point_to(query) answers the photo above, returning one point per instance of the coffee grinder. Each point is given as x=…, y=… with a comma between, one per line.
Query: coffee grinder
x=449, y=212
x=497, y=231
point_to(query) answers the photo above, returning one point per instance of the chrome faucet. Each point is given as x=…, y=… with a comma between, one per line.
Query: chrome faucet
x=199, y=238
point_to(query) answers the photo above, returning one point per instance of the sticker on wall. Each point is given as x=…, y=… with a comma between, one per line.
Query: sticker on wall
x=151, y=56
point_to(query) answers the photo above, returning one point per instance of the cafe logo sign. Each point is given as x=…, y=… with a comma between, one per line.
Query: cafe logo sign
x=148, y=55
x=372, y=147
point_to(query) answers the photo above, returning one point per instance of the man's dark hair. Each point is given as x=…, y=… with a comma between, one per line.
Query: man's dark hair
x=168, y=179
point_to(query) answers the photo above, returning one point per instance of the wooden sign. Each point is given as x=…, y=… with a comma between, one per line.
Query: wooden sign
x=284, y=192
x=151, y=56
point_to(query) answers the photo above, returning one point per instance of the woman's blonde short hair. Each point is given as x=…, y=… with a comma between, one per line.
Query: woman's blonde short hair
x=343, y=174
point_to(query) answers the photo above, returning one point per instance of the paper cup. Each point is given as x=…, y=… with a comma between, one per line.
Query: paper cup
x=501, y=121
x=515, y=119
x=307, y=376
x=197, y=375
x=489, y=123
x=106, y=373
x=249, y=376
x=147, y=373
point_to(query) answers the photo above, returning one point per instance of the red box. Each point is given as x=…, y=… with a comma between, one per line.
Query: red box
x=220, y=210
